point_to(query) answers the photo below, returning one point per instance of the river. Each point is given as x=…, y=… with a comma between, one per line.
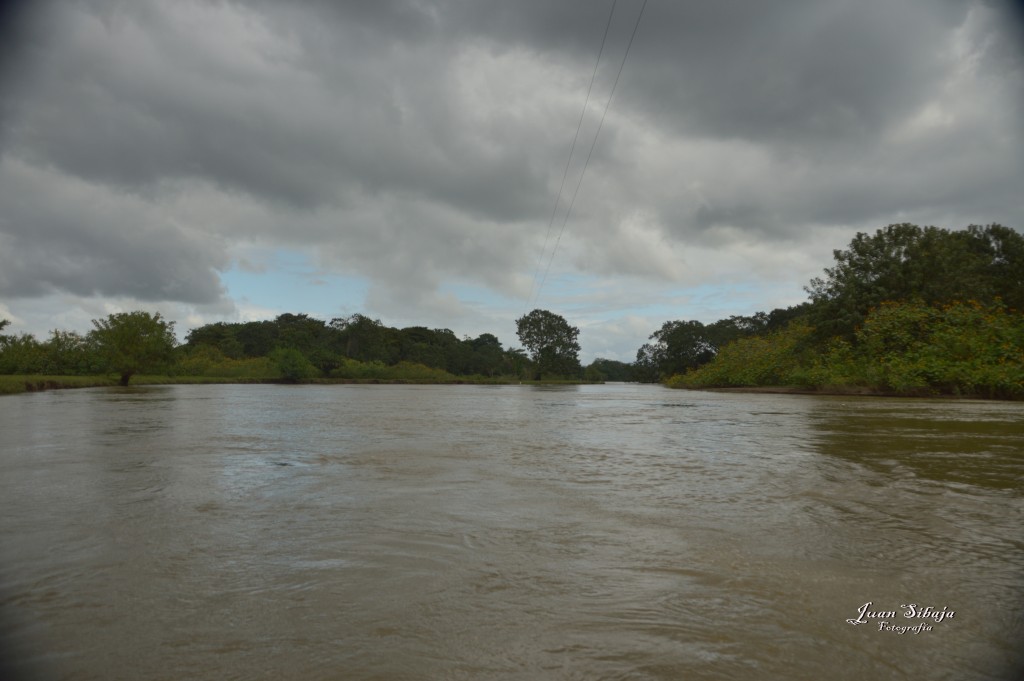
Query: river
x=508, y=532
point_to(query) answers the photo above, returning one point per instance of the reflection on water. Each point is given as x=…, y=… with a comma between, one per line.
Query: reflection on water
x=506, y=532
x=964, y=442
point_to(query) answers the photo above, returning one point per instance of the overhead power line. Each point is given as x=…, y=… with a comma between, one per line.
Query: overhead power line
x=593, y=144
x=572, y=149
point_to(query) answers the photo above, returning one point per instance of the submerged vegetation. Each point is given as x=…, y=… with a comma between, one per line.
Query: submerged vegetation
x=907, y=311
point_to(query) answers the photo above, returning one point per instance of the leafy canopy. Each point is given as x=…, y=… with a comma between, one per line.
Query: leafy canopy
x=130, y=342
x=552, y=343
x=904, y=262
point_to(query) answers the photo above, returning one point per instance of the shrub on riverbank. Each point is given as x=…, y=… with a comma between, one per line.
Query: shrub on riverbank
x=14, y=384
x=963, y=348
x=774, y=359
x=211, y=362
x=10, y=385
x=376, y=370
x=906, y=348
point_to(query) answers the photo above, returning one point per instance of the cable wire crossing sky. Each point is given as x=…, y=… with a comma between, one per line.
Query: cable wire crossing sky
x=407, y=160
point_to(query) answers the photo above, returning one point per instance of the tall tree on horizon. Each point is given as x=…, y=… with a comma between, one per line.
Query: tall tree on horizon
x=552, y=343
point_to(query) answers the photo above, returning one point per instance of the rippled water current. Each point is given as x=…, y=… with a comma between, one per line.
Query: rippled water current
x=508, y=532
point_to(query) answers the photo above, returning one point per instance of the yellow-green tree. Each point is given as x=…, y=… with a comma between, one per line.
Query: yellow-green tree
x=130, y=342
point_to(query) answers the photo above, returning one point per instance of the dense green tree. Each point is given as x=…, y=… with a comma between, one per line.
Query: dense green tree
x=552, y=343
x=676, y=347
x=679, y=346
x=515, y=362
x=1003, y=248
x=319, y=343
x=468, y=356
x=329, y=346
x=366, y=339
x=129, y=342
x=21, y=354
x=904, y=262
x=312, y=337
x=486, y=355
x=602, y=369
x=435, y=348
x=258, y=339
x=220, y=335
x=70, y=353
x=292, y=364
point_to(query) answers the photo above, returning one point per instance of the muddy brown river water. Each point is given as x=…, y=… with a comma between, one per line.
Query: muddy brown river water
x=508, y=532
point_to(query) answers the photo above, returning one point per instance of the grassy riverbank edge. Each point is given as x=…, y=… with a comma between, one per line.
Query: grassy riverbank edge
x=16, y=384
x=840, y=391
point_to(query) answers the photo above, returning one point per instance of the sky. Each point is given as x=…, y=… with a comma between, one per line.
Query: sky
x=410, y=159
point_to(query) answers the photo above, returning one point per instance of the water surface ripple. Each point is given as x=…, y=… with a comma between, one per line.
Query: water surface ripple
x=506, y=532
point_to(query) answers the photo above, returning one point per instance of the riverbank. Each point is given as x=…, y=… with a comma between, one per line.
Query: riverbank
x=16, y=384
x=840, y=391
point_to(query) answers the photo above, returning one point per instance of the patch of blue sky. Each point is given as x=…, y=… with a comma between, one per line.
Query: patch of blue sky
x=287, y=281
x=607, y=298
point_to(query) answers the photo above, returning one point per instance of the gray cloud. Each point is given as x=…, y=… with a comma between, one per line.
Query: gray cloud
x=60, y=234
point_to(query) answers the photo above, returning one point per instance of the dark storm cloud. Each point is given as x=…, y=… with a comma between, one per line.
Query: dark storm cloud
x=413, y=142
x=804, y=72
x=135, y=96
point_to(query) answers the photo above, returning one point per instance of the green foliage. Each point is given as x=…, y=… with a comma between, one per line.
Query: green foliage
x=906, y=348
x=199, y=360
x=249, y=368
x=905, y=262
x=306, y=349
x=677, y=346
x=293, y=365
x=962, y=348
x=837, y=365
x=69, y=353
x=356, y=370
x=403, y=371
x=66, y=353
x=437, y=348
x=129, y=342
x=12, y=385
x=608, y=370
x=220, y=335
x=888, y=316
x=208, y=361
x=21, y=354
x=552, y=343
x=331, y=347
x=366, y=339
x=516, y=363
x=485, y=357
x=773, y=359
